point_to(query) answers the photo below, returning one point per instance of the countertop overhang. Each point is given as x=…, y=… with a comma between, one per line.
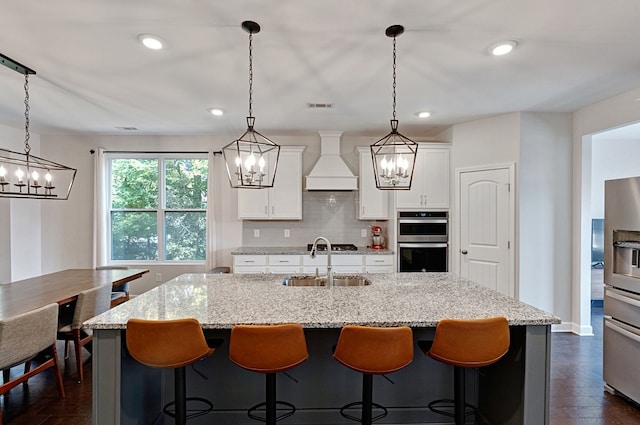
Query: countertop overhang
x=220, y=301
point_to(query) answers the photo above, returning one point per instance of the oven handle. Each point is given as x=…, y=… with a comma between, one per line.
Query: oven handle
x=423, y=245
x=622, y=331
x=626, y=298
x=422, y=220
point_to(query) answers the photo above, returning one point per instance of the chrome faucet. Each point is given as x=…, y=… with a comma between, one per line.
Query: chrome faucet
x=314, y=248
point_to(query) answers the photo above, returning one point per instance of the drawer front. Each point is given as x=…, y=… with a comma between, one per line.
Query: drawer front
x=621, y=350
x=622, y=306
x=348, y=269
x=379, y=269
x=293, y=269
x=250, y=260
x=379, y=260
x=336, y=260
x=249, y=269
x=284, y=260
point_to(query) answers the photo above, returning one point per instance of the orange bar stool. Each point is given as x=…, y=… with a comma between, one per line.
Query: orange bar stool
x=465, y=344
x=171, y=344
x=372, y=351
x=268, y=349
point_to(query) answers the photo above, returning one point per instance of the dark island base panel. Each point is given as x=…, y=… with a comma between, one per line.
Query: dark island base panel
x=323, y=385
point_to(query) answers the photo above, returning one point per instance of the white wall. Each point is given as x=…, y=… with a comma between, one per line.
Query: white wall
x=20, y=245
x=539, y=145
x=544, y=191
x=611, y=159
x=610, y=113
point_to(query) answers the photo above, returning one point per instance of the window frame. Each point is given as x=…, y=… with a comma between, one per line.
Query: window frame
x=160, y=210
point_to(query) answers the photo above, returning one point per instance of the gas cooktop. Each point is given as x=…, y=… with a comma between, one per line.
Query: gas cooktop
x=334, y=247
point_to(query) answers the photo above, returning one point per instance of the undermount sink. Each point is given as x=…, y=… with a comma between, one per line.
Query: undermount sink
x=322, y=281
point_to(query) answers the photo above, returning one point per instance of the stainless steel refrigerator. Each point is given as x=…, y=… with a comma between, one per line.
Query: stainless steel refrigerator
x=621, y=334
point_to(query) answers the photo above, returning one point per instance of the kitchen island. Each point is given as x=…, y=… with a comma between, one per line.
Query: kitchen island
x=513, y=391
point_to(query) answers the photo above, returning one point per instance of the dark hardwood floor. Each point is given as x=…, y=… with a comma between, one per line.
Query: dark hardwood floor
x=577, y=395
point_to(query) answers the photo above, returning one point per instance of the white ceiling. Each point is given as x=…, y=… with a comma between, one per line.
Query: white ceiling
x=93, y=75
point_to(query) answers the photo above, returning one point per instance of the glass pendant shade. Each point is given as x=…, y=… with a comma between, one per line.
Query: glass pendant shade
x=27, y=176
x=394, y=157
x=251, y=160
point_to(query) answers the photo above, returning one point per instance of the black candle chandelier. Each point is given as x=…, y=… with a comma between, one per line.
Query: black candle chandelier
x=394, y=155
x=23, y=175
x=252, y=159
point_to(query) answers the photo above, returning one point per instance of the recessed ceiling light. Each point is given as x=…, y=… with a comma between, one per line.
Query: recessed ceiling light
x=151, y=41
x=503, y=47
x=423, y=114
x=216, y=111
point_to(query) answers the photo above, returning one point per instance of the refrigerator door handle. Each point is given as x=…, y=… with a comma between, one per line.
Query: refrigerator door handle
x=622, y=331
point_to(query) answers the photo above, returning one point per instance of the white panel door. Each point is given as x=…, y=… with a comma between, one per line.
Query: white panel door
x=485, y=229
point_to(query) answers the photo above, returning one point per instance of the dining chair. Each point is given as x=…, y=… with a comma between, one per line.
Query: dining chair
x=120, y=293
x=23, y=337
x=90, y=303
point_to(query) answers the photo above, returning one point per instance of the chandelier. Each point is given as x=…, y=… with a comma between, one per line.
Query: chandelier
x=27, y=176
x=394, y=155
x=252, y=159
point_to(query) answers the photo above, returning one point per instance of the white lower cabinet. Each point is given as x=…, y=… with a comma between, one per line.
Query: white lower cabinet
x=285, y=264
x=379, y=264
x=243, y=264
x=296, y=264
x=339, y=263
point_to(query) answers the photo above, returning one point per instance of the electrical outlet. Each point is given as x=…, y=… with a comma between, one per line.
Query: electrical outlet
x=287, y=233
x=158, y=277
x=256, y=233
x=363, y=233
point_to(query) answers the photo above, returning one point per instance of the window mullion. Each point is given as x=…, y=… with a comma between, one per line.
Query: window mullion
x=161, y=209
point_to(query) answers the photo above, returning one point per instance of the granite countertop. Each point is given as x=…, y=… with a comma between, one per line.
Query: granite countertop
x=221, y=301
x=302, y=250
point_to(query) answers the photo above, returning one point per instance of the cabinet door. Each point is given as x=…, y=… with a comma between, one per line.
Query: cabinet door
x=253, y=203
x=436, y=178
x=430, y=184
x=414, y=197
x=374, y=203
x=285, y=198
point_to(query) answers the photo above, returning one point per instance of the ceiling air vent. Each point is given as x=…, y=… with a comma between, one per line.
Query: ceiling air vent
x=127, y=128
x=320, y=105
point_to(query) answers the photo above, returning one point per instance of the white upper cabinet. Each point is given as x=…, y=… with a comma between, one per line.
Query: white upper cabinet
x=374, y=203
x=430, y=184
x=284, y=200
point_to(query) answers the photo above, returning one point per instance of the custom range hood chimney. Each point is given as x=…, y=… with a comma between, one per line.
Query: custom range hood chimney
x=330, y=173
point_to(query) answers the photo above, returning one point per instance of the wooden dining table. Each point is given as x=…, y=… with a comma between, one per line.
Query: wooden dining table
x=60, y=287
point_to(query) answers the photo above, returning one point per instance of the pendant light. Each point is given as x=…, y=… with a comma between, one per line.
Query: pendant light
x=252, y=159
x=27, y=176
x=394, y=155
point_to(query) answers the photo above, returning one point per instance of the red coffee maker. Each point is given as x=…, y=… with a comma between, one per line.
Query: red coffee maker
x=377, y=240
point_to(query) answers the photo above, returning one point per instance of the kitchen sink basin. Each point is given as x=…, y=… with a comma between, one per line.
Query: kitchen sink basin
x=322, y=281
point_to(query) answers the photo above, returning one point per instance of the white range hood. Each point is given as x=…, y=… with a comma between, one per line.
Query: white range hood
x=330, y=173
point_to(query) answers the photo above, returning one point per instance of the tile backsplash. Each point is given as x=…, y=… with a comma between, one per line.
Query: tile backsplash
x=330, y=214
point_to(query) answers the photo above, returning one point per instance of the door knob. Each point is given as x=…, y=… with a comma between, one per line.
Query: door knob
x=463, y=252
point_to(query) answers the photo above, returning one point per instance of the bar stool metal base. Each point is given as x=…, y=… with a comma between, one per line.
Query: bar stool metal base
x=367, y=405
x=359, y=419
x=169, y=408
x=262, y=407
x=446, y=407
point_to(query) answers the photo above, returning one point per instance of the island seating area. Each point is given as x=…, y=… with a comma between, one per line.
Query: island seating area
x=514, y=390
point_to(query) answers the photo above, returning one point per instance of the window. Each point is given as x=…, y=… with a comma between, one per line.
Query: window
x=157, y=207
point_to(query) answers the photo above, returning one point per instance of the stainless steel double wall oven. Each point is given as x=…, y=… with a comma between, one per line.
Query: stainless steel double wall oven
x=423, y=241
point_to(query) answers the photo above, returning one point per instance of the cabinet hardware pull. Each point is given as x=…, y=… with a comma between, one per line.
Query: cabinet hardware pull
x=249, y=261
